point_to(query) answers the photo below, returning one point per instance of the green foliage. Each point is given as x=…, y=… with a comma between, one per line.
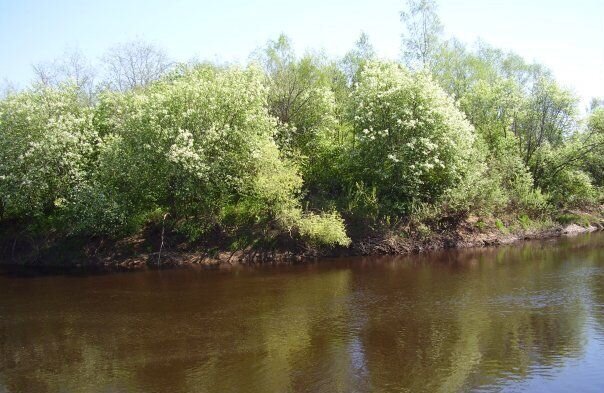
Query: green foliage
x=516, y=182
x=525, y=221
x=363, y=203
x=324, y=229
x=481, y=225
x=355, y=60
x=478, y=192
x=260, y=154
x=191, y=144
x=592, y=146
x=572, y=188
x=309, y=97
x=299, y=96
x=198, y=144
x=47, y=143
x=412, y=143
x=523, y=119
x=568, y=218
x=501, y=226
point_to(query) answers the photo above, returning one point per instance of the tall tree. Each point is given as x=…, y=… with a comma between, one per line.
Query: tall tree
x=423, y=32
x=133, y=65
x=73, y=67
x=547, y=119
x=299, y=93
x=354, y=60
x=7, y=88
x=596, y=103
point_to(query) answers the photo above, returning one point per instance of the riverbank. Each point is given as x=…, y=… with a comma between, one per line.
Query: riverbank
x=149, y=251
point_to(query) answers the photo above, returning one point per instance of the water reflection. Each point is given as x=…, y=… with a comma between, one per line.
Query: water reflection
x=521, y=318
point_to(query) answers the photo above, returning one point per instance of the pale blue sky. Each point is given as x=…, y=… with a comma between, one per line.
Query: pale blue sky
x=567, y=36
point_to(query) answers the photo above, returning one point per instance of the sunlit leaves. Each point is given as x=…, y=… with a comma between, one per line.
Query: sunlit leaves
x=412, y=142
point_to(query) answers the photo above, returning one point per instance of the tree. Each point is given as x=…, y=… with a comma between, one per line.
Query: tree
x=299, y=94
x=412, y=143
x=46, y=144
x=593, y=153
x=421, y=39
x=546, y=118
x=584, y=151
x=198, y=145
x=596, y=103
x=501, y=94
x=134, y=65
x=355, y=59
x=73, y=68
x=7, y=88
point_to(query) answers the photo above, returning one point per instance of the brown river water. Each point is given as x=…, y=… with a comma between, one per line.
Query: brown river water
x=522, y=318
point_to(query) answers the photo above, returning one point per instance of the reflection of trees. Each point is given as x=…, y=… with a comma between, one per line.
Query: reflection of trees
x=173, y=332
x=593, y=276
x=476, y=316
x=436, y=322
x=296, y=335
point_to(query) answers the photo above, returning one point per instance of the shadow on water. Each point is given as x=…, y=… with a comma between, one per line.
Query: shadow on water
x=528, y=317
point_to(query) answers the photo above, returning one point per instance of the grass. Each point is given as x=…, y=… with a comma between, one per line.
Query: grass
x=501, y=226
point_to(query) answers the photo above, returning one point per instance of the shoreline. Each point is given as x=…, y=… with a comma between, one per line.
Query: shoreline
x=460, y=238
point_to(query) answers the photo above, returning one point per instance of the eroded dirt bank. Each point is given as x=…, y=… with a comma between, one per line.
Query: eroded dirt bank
x=138, y=253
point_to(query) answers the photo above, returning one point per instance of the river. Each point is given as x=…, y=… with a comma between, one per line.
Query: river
x=522, y=318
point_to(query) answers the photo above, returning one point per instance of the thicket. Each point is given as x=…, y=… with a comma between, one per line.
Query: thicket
x=308, y=148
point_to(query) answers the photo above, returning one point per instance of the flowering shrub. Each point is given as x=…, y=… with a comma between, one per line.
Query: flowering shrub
x=200, y=146
x=412, y=143
x=46, y=145
x=237, y=153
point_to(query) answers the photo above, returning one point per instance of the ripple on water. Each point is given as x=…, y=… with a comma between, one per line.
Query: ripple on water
x=519, y=319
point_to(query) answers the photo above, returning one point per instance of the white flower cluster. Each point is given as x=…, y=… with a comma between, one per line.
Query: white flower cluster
x=408, y=126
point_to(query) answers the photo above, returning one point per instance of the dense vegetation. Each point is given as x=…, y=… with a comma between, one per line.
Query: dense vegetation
x=310, y=149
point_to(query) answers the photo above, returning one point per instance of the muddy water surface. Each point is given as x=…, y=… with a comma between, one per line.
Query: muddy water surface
x=524, y=318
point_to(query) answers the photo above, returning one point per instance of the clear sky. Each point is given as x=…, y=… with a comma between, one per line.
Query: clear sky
x=567, y=36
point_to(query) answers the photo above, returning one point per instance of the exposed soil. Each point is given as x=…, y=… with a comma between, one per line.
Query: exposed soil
x=142, y=251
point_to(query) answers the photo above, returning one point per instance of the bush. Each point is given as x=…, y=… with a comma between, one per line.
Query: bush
x=572, y=189
x=324, y=229
x=517, y=182
x=47, y=143
x=199, y=145
x=502, y=183
x=412, y=143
